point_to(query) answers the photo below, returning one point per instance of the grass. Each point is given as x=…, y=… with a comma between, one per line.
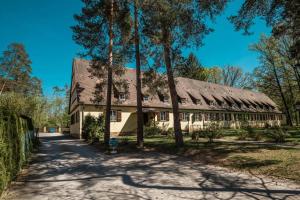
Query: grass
x=278, y=160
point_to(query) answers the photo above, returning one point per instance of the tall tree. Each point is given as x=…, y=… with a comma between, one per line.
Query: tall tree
x=140, y=136
x=282, y=15
x=191, y=68
x=171, y=25
x=268, y=74
x=15, y=72
x=103, y=29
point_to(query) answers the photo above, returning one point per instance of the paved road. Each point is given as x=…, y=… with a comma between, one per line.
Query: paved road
x=66, y=168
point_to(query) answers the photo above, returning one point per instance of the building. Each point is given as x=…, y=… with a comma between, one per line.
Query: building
x=200, y=103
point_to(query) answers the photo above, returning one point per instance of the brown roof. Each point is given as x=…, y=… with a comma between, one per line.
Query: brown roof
x=212, y=96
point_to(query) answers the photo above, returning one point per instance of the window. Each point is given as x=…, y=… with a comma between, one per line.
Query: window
x=227, y=116
x=73, y=119
x=183, y=100
x=145, y=97
x=217, y=116
x=77, y=117
x=198, y=117
x=212, y=116
x=165, y=98
x=113, y=115
x=186, y=116
x=122, y=97
x=206, y=117
x=163, y=116
x=198, y=101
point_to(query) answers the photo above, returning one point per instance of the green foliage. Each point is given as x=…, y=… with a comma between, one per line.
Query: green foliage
x=277, y=134
x=15, y=72
x=93, y=128
x=33, y=107
x=191, y=68
x=242, y=134
x=255, y=135
x=152, y=130
x=58, y=107
x=16, y=143
x=212, y=132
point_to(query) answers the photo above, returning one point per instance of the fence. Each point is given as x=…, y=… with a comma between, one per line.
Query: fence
x=17, y=138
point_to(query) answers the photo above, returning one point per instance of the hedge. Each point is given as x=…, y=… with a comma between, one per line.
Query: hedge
x=16, y=142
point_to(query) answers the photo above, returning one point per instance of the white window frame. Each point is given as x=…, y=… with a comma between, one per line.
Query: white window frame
x=186, y=116
x=122, y=97
x=146, y=98
x=198, y=117
x=163, y=116
x=113, y=115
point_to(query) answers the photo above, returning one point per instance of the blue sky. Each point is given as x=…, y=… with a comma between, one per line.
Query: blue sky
x=43, y=26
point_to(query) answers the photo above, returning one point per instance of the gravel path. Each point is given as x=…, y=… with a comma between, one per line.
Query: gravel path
x=67, y=168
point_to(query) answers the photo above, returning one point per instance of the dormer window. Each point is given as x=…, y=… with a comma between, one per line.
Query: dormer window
x=122, y=97
x=165, y=99
x=198, y=102
x=145, y=97
x=183, y=100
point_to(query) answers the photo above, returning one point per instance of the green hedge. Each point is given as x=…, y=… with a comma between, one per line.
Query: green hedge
x=16, y=142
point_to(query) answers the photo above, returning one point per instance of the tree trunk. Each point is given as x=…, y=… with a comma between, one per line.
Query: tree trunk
x=288, y=115
x=296, y=69
x=109, y=80
x=139, y=108
x=172, y=88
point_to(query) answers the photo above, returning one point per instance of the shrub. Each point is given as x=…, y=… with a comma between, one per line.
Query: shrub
x=212, y=132
x=277, y=134
x=152, y=130
x=169, y=132
x=253, y=134
x=17, y=140
x=93, y=128
x=242, y=134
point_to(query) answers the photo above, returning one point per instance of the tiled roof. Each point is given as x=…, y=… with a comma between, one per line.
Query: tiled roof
x=198, y=94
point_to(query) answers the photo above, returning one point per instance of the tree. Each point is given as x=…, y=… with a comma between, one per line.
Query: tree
x=140, y=136
x=215, y=75
x=268, y=75
x=282, y=15
x=58, y=107
x=235, y=77
x=103, y=29
x=191, y=68
x=171, y=25
x=15, y=72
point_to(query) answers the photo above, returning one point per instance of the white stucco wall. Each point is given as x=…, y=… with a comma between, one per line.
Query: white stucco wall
x=127, y=125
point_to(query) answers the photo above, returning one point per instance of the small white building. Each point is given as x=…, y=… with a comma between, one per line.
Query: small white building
x=199, y=102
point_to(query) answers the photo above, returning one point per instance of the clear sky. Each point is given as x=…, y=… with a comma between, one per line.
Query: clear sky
x=43, y=26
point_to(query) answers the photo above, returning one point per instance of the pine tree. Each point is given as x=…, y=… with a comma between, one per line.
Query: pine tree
x=191, y=68
x=170, y=26
x=140, y=136
x=15, y=72
x=103, y=29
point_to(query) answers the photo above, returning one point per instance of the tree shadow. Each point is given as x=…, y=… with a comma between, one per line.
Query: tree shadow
x=67, y=168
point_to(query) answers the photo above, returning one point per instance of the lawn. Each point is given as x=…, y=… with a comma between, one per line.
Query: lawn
x=258, y=158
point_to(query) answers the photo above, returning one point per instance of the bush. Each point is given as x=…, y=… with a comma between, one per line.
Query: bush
x=212, y=132
x=253, y=134
x=242, y=134
x=152, y=130
x=277, y=134
x=93, y=128
x=17, y=140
